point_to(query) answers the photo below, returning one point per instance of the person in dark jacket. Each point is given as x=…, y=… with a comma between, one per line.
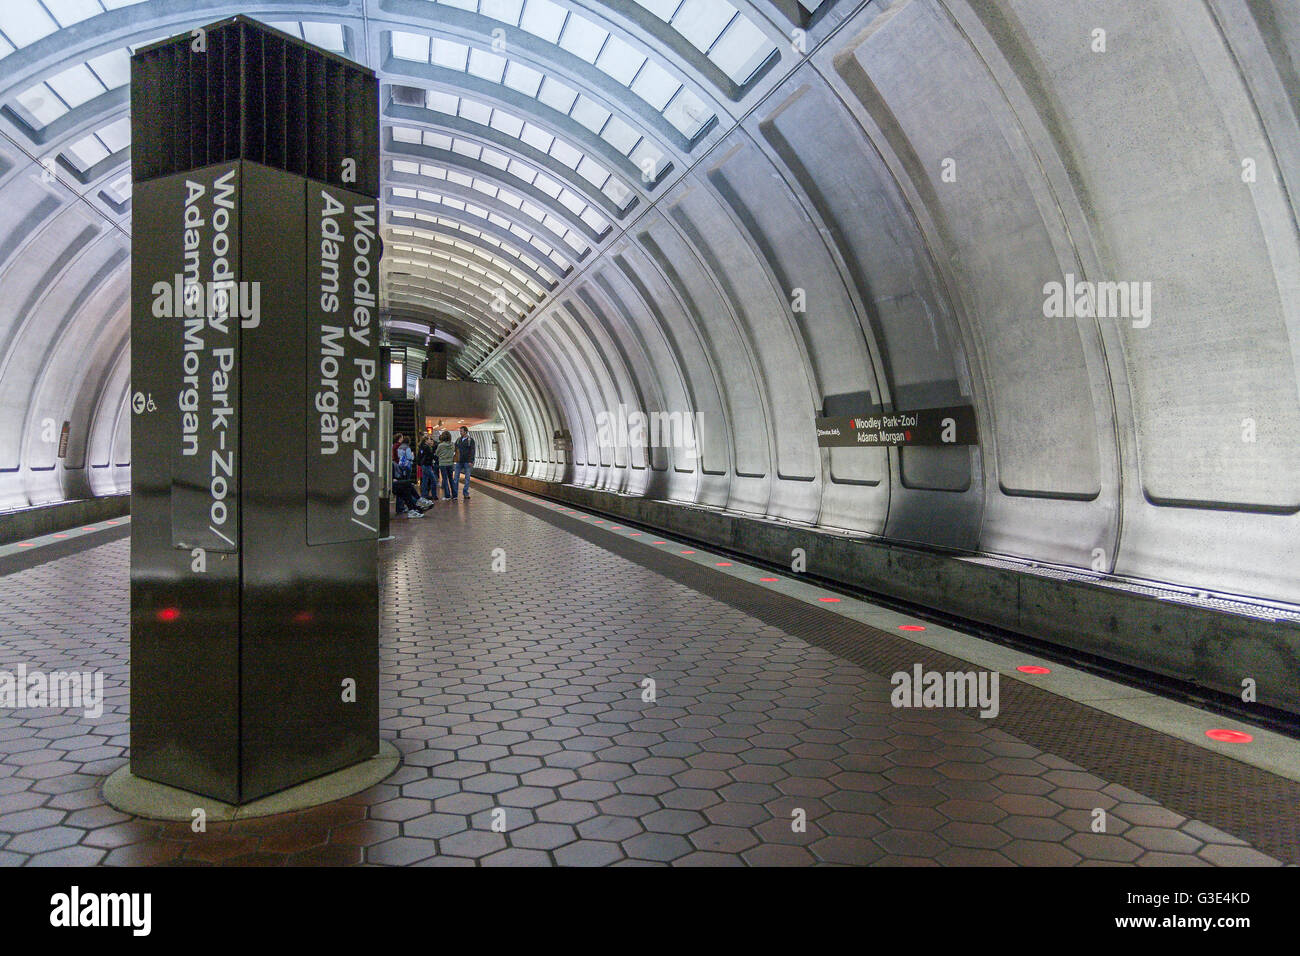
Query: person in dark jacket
x=408, y=502
x=464, y=461
x=427, y=459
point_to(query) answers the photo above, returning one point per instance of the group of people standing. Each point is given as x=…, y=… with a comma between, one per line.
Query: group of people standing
x=438, y=459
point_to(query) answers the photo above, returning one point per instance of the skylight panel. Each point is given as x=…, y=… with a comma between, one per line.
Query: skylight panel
x=112, y=68
x=593, y=172
x=76, y=85
x=116, y=135
x=572, y=201
x=595, y=220
x=618, y=192
x=647, y=150
x=68, y=12
x=507, y=123
x=533, y=210
x=590, y=114
x=583, y=38
x=560, y=96
x=523, y=78
x=507, y=11
x=655, y=85
x=435, y=140
x=620, y=135
x=476, y=112
x=487, y=66
x=548, y=185
x=687, y=113
x=450, y=54
x=663, y=9
x=566, y=154
x=467, y=149
x=701, y=22
x=403, y=166
x=576, y=241
x=40, y=104
x=86, y=152
x=543, y=19
x=328, y=36
x=496, y=158
x=554, y=223
x=742, y=49
x=25, y=21
x=442, y=102
x=522, y=171
x=410, y=46
x=537, y=137
x=620, y=60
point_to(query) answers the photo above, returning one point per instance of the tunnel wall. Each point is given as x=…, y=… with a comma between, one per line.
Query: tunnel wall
x=914, y=177
x=923, y=177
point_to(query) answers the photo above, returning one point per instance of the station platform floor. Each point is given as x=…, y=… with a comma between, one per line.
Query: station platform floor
x=521, y=690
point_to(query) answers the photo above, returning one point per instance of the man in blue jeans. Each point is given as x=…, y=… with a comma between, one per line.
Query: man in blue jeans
x=464, y=461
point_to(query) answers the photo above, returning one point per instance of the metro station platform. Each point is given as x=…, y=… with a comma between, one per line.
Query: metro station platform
x=517, y=696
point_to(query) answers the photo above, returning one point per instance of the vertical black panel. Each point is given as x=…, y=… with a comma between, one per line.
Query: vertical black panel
x=205, y=351
x=184, y=604
x=317, y=120
x=254, y=96
x=310, y=614
x=342, y=363
x=336, y=108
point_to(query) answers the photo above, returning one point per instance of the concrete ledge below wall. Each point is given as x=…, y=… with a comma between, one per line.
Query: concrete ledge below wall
x=1184, y=642
x=59, y=516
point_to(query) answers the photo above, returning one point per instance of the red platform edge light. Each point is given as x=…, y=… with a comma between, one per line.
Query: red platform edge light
x=767, y=579
x=911, y=627
x=661, y=542
x=303, y=617
x=168, y=614
x=688, y=552
x=1229, y=736
x=829, y=600
x=1033, y=669
x=723, y=564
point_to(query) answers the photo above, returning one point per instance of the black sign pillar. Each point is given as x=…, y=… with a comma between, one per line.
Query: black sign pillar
x=255, y=373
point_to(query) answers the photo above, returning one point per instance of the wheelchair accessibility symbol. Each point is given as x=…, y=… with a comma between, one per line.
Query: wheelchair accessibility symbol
x=139, y=403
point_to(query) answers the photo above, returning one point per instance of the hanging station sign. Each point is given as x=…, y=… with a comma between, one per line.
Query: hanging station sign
x=949, y=425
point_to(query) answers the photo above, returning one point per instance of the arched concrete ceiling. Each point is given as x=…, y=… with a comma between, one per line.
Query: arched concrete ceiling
x=759, y=211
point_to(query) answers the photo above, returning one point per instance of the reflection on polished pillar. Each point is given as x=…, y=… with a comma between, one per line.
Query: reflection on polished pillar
x=254, y=588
